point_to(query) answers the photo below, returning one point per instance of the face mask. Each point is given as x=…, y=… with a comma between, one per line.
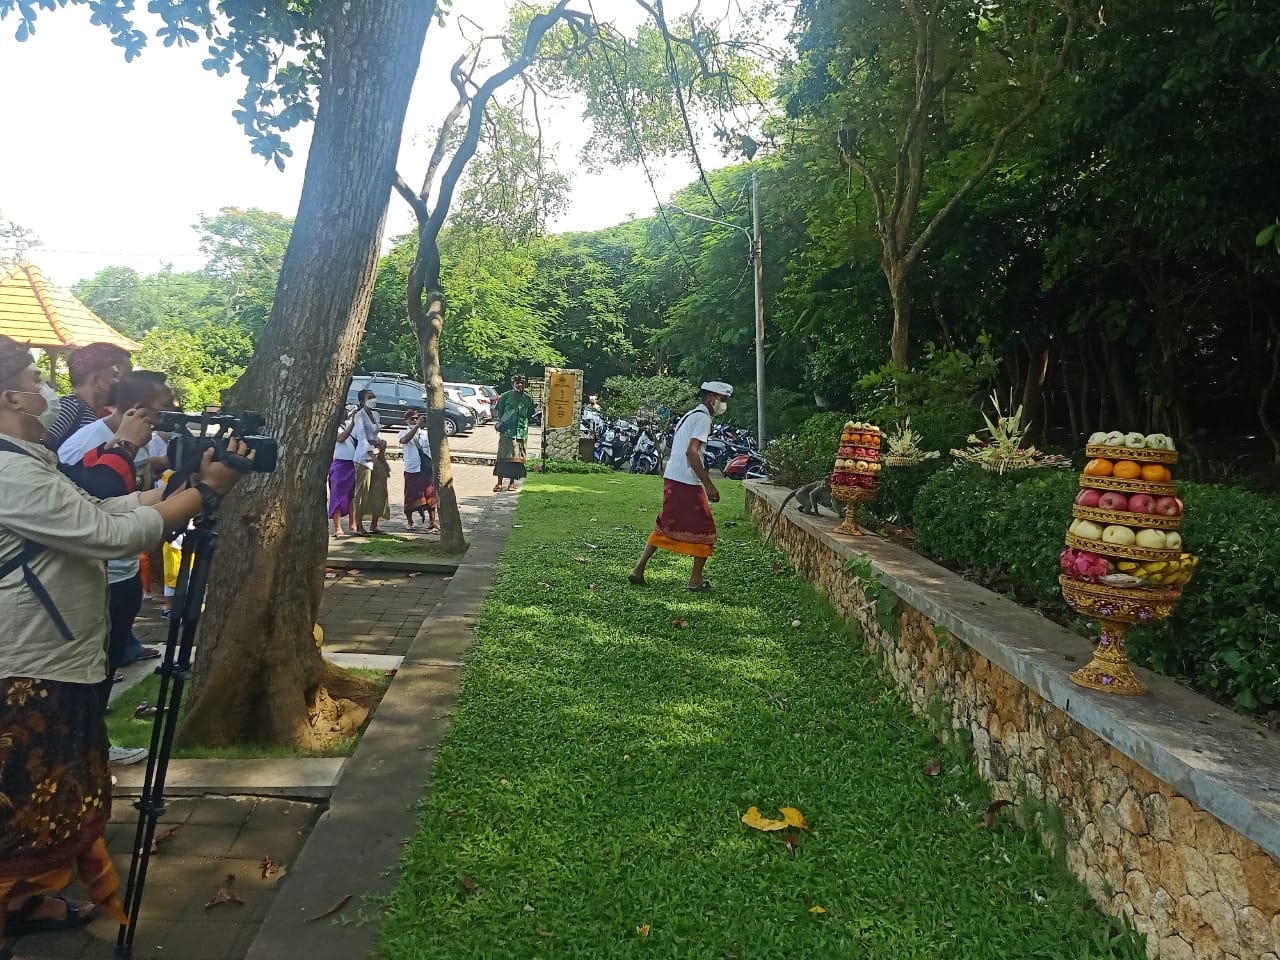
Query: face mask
x=719, y=407
x=371, y=403
x=52, y=408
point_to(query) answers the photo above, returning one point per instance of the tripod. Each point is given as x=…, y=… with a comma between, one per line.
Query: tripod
x=175, y=671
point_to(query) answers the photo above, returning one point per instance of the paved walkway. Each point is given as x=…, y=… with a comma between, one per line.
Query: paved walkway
x=363, y=613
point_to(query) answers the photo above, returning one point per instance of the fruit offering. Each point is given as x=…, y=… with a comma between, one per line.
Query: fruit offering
x=1124, y=561
x=858, y=458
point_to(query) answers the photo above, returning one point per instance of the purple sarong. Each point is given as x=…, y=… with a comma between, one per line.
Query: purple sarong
x=342, y=486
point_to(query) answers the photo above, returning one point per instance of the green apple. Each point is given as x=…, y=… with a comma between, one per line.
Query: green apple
x=1118, y=535
x=1087, y=529
x=1152, y=539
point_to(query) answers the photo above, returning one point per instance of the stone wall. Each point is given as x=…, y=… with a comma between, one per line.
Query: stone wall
x=1195, y=886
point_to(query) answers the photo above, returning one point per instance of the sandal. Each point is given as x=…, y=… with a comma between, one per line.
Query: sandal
x=498, y=488
x=23, y=922
x=703, y=587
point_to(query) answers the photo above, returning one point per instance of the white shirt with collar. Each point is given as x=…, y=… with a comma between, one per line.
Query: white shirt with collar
x=694, y=425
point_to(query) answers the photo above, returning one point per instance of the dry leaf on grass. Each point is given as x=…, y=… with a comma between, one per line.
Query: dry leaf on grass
x=817, y=909
x=792, y=843
x=590, y=546
x=933, y=768
x=680, y=622
x=331, y=911
x=642, y=930
x=778, y=568
x=544, y=585
x=469, y=884
x=991, y=816
x=225, y=894
x=580, y=559
x=791, y=817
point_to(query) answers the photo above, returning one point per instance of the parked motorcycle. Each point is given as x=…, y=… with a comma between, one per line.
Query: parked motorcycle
x=746, y=466
x=646, y=458
x=616, y=443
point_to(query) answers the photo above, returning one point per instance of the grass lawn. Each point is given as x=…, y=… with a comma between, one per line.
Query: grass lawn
x=124, y=730
x=587, y=801
x=391, y=546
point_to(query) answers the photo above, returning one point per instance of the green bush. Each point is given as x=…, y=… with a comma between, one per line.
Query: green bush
x=943, y=425
x=573, y=466
x=960, y=516
x=1224, y=635
x=625, y=396
x=805, y=456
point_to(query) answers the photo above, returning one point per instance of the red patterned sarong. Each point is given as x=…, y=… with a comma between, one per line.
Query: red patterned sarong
x=685, y=524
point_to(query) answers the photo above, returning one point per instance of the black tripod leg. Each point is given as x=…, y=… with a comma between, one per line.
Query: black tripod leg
x=175, y=671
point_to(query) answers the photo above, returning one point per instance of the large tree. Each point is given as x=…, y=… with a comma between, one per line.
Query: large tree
x=925, y=84
x=260, y=676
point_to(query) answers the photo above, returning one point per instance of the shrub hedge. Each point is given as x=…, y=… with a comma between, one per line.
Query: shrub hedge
x=1223, y=637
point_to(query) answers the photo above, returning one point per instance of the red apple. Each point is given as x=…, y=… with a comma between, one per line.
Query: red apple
x=1167, y=507
x=1088, y=498
x=1113, y=501
x=1142, y=503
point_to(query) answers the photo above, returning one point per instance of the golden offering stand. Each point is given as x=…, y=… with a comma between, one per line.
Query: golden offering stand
x=1116, y=609
x=851, y=497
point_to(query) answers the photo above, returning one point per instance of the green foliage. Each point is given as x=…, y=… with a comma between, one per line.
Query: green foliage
x=1222, y=636
x=575, y=466
x=625, y=396
x=800, y=458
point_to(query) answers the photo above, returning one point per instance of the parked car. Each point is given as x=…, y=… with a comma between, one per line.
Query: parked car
x=395, y=393
x=473, y=396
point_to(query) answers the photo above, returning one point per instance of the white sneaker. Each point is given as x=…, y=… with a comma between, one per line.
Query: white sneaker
x=123, y=756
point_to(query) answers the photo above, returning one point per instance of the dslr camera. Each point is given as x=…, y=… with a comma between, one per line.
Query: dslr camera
x=194, y=433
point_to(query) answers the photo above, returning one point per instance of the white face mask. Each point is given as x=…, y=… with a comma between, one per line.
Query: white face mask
x=371, y=403
x=719, y=407
x=53, y=405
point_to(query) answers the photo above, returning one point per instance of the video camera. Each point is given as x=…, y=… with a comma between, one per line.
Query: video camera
x=214, y=429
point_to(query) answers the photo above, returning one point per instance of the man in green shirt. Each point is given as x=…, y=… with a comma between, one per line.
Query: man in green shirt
x=511, y=417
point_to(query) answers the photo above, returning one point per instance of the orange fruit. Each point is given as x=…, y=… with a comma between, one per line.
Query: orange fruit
x=1098, y=468
x=1126, y=470
x=1155, y=473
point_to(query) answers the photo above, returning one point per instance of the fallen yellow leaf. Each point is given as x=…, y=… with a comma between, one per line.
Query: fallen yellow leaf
x=752, y=818
x=643, y=930
x=793, y=818
x=817, y=909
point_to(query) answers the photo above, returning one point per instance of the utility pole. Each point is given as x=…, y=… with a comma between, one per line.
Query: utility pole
x=756, y=255
x=757, y=258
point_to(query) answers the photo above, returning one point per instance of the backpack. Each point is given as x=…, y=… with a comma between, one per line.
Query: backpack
x=30, y=550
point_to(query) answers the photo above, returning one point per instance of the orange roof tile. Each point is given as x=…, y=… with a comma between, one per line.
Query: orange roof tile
x=35, y=312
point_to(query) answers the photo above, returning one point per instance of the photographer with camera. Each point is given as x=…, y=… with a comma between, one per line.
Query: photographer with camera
x=54, y=538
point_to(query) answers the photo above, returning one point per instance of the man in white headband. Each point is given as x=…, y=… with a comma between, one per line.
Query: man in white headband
x=685, y=524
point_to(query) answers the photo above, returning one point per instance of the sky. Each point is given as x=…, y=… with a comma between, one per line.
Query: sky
x=111, y=163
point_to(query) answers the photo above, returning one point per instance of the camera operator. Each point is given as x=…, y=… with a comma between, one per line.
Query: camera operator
x=146, y=393
x=53, y=602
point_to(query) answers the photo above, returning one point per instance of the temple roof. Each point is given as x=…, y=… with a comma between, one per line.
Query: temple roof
x=35, y=312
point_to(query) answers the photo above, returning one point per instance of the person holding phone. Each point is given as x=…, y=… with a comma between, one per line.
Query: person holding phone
x=342, y=476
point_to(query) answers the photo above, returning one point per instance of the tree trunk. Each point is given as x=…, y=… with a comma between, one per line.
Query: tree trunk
x=1268, y=392
x=1121, y=376
x=900, y=339
x=260, y=676
x=1068, y=396
x=428, y=322
x=1033, y=409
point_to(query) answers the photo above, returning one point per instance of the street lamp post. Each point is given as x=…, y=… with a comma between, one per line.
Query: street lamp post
x=756, y=255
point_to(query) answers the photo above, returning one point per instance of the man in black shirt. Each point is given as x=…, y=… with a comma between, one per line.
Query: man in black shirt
x=95, y=371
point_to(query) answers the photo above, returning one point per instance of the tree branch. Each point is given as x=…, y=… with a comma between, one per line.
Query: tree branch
x=997, y=145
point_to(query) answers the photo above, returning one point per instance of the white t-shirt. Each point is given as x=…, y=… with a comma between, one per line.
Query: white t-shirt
x=72, y=451
x=415, y=450
x=695, y=425
x=345, y=449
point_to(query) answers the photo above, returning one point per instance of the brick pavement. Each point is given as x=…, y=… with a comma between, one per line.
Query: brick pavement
x=215, y=836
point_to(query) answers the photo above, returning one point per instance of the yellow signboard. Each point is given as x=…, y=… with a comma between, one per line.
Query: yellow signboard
x=562, y=391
